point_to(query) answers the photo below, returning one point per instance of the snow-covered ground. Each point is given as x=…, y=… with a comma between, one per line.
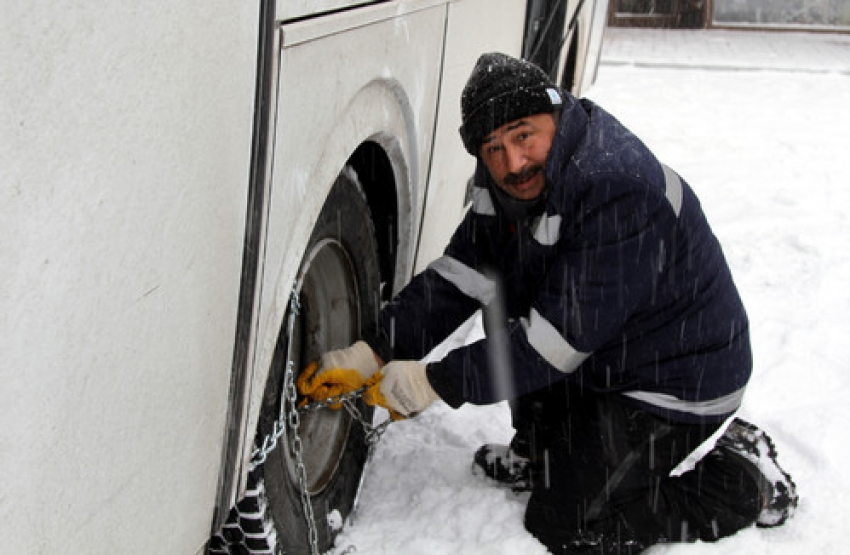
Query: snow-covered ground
x=768, y=152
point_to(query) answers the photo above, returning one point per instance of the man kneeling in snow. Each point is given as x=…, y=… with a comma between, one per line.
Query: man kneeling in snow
x=612, y=325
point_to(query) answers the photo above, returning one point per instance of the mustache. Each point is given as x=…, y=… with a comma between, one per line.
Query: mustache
x=524, y=175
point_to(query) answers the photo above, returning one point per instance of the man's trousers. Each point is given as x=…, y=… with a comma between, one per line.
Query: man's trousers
x=601, y=476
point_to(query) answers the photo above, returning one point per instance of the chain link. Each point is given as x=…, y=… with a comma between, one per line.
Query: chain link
x=300, y=469
x=289, y=418
x=289, y=410
x=347, y=400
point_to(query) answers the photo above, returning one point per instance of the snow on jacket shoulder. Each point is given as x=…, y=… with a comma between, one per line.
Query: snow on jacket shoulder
x=618, y=284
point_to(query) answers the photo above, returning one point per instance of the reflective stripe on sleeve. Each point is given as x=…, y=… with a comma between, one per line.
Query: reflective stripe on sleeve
x=551, y=345
x=471, y=283
x=712, y=407
x=673, y=189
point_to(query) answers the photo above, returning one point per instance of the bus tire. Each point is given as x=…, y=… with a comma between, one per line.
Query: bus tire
x=339, y=298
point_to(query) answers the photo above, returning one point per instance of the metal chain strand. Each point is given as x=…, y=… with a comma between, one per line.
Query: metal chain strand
x=289, y=418
x=335, y=400
x=300, y=469
x=270, y=442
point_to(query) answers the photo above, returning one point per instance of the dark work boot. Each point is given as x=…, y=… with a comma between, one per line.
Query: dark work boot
x=778, y=491
x=506, y=464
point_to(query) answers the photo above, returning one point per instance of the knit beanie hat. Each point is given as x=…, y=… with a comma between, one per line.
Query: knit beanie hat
x=502, y=89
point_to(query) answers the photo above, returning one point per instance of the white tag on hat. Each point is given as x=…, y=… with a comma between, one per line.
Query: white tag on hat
x=554, y=96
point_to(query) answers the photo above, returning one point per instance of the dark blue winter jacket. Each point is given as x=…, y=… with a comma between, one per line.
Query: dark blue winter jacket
x=617, y=283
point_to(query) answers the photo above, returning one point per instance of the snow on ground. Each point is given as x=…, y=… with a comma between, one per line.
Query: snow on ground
x=767, y=152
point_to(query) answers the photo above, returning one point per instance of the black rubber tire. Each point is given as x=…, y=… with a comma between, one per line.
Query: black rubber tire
x=339, y=298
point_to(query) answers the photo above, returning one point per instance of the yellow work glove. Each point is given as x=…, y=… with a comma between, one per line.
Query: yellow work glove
x=402, y=388
x=338, y=372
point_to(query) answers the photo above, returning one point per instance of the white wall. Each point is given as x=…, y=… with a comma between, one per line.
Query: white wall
x=124, y=149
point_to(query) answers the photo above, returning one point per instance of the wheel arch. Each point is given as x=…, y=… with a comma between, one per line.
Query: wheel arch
x=375, y=135
x=384, y=146
x=374, y=145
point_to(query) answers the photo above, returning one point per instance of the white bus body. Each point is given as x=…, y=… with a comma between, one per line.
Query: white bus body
x=164, y=165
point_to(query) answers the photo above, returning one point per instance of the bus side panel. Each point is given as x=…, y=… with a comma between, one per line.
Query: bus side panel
x=125, y=135
x=475, y=27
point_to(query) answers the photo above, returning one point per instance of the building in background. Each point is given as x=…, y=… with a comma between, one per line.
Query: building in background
x=815, y=15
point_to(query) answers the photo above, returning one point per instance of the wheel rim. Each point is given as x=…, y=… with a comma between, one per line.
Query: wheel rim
x=328, y=319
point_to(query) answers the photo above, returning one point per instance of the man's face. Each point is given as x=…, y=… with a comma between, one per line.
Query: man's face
x=515, y=154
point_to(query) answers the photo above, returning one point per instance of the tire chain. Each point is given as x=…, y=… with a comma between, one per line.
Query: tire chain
x=289, y=418
x=348, y=402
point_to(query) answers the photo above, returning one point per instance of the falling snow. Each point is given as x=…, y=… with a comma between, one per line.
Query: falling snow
x=766, y=152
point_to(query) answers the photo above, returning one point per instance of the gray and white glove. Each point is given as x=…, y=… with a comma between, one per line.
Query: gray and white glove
x=401, y=387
